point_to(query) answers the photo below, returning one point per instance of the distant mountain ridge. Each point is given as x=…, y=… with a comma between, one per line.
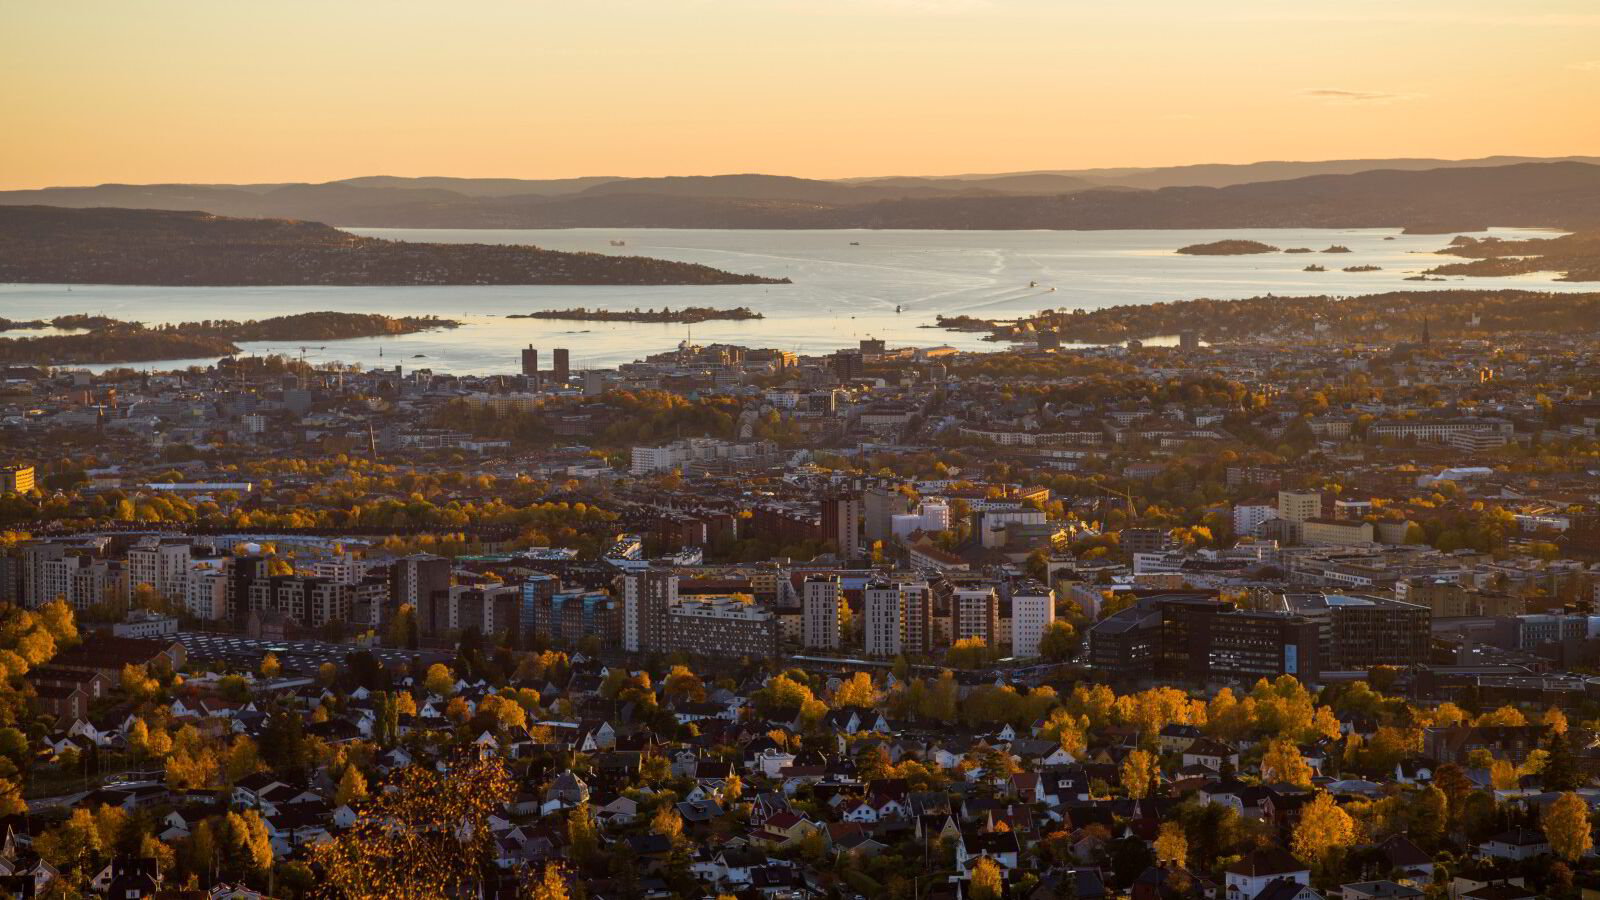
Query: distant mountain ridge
x=1446, y=197
x=1228, y=174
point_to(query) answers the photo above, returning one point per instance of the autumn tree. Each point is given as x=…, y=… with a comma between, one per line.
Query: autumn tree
x=270, y=667
x=667, y=823
x=428, y=836
x=1323, y=828
x=550, y=886
x=1566, y=827
x=1140, y=772
x=1505, y=715
x=352, y=787
x=439, y=681
x=1172, y=845
x=241, y=844
x=987, y=881
x=683, y=684
x=1282, y=763
x=11, y=802
x=858, y=691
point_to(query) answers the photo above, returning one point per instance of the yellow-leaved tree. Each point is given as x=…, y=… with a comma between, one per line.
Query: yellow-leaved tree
x=1282, y=763
x=1566, y=827
x=987, y=883
x=1323, y=828
x=424, y=838
x=1172, y=845
x=1140, y=772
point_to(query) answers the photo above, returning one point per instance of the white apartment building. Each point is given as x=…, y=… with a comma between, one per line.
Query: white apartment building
x=340, y=569
x=819, y=602
x=1032, y=612
x=82, y=581
x=1247, y=518
x=206, y=596
x=162, y=563
x=647, y=460
x=883, y=620
x=977, y=614
x=1437, y=429
x=1298, y=506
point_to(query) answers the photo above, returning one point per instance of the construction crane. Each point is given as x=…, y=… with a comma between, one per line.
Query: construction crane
x=303, y=364
x=1126, y=496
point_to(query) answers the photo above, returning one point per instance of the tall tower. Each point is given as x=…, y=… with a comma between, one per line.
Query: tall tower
x=530, y=362
x=841, y=523
x=560, y=367
x=647, y=596
x=883, y=614
x=819, y=611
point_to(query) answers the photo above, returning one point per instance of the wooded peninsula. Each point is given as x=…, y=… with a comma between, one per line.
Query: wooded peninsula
x=1387, y=316
x=1576, y=256
x=105, y=340
x=53, y=245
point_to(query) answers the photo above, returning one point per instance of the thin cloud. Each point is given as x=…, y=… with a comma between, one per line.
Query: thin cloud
x=1588, y=65
x=1335, y=95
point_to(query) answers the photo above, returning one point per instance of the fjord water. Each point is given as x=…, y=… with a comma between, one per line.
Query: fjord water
x=847, y=285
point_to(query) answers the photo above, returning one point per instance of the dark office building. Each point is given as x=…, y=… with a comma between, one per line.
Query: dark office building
x=1142, y=540
x=561, y=366
x=1123, y=647
x=530, y=362
x=1193, y=639
x=1247, y=645
x=848, y=364
x=1361, y=632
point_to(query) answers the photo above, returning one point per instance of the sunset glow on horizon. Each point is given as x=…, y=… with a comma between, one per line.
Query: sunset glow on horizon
x=188, y=91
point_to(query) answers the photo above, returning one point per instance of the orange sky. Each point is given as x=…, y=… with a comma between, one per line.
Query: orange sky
x=94, y=91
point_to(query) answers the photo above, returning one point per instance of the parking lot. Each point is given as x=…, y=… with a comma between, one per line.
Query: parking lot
x=297, y=657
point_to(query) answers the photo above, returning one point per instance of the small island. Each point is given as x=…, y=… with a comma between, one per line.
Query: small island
x=54, y=245
x=1366, y=268
x=689, y=314
x=1227, y=248
x=98, y=339
x=1314, y=268
x=1337, y=248
x=1299, y=250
